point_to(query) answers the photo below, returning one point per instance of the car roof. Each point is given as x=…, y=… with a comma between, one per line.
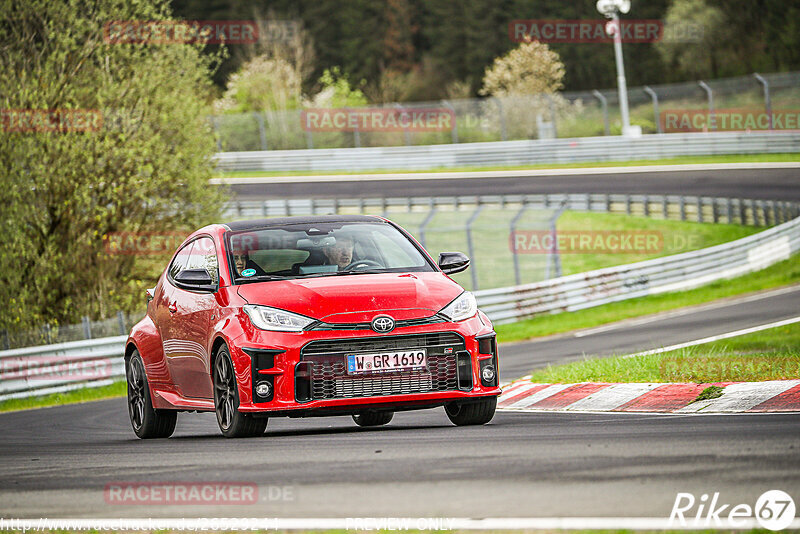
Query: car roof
x=255, y=224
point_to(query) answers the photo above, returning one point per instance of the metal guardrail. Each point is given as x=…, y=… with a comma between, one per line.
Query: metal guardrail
x=612, y=148
x=674, y=207
x=671, y=273
x=61, y=367
x=55, y=368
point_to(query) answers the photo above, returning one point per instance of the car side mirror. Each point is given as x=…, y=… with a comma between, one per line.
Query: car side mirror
x=195, y=280
x=453, y=262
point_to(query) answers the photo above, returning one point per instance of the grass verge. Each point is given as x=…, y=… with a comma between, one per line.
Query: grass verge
x=772, y=354
x=783, y=273
x=682, y=160
x=117, y=389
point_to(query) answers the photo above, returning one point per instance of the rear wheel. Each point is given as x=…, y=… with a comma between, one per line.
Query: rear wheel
x=373, y=418
x=146, y=421
x=471, y=413
x=232, y=422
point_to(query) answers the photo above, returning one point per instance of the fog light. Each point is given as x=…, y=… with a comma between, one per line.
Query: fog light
x=488, y=373
x=263, y=389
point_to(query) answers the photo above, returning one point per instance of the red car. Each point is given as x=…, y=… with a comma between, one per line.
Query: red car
x=308, y=316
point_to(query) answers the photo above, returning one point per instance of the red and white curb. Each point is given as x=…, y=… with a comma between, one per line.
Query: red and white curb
x=771, y=396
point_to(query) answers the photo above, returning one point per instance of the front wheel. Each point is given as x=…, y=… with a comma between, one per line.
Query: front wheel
x=146, y=421
x=373, y=418
x=232, y=422
x=471, y=413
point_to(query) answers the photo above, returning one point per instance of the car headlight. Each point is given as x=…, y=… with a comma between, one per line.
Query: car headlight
x=267, y=318
x=463, y=307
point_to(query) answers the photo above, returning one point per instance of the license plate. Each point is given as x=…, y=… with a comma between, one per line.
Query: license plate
x=384, y=362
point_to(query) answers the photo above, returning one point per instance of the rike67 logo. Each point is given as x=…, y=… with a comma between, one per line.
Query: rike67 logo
x=773, y=510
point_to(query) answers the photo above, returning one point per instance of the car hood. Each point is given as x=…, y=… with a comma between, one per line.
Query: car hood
x=356, y=298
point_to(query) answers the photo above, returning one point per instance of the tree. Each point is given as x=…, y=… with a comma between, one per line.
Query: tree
x=530, y=69
x=143, y=166
x=704, y=57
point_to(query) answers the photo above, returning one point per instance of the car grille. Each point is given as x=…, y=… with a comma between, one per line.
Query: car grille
x=434, y=319
x=329, y=379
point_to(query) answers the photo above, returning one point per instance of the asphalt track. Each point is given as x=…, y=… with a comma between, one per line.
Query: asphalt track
x=761, y=183
x=56, y=462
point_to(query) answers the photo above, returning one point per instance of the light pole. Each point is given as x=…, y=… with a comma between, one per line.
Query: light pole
x=611, y=10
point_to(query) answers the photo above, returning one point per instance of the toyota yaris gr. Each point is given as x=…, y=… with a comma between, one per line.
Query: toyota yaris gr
x=308, y=316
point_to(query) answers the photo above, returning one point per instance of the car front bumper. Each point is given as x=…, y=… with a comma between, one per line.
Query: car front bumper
x=306, y=375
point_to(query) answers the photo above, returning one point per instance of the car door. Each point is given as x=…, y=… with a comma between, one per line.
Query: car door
x=186, y=336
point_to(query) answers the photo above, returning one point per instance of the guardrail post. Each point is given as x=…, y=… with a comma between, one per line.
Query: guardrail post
x=699, y=209
x=470, y=250
x=336, y=206
x=714, y=215
x=712, y=118
x=767, y=100
x=656, y=115
x=729, y=203
x=628, y=204
x=554, y=255
x=121, y=322
x=742, y=212
x=406, y=133
x=513, y=230
x=454, y=131
x=552, y=106
x=87, y=327
x=604, y=103
x=608, y=203
x=309, y=133
x=646, y=206
x=262, y=131
x=503, y=132
x=682, y=205
x=215, y=127
x=665, y=207
x=428, y=219
x=356, y=133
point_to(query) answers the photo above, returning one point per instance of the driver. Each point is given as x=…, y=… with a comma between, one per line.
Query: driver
x=340, y=253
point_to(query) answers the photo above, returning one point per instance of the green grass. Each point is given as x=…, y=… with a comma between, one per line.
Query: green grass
x=492, y=258
x=772, y=354
x=683, y=160
x=117, y=389
x=676, y=237
x=783, y=273
x=711, y=392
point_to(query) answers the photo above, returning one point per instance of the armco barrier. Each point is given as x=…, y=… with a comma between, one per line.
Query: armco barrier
x=61, y=367
x=609, y=148
x=50, y=368
x=661, y=275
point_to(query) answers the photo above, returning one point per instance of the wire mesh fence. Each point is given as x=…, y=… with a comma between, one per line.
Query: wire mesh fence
x=563, y=115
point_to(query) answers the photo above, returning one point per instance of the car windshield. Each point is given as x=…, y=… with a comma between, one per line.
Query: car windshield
x=321, y=249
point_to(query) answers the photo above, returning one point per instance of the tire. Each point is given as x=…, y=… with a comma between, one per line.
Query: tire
x=146, y=421
x=471, y=413
x=232, y=422
x=373, y=418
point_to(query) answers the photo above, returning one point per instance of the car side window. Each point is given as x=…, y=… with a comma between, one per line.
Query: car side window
x=181, y=259
x=204, y=256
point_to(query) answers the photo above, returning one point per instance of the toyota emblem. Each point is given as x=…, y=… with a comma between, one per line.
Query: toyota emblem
x=383, y=324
